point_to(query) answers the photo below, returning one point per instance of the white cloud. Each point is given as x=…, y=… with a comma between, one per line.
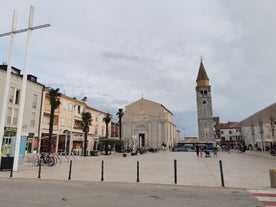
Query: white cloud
x=115, y=51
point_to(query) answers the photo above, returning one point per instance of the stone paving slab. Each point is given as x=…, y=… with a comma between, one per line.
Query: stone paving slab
x=248, y=170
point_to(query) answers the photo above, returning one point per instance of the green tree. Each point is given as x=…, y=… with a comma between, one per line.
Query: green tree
x=86, y=121
x=54, y=97
x=107, y=120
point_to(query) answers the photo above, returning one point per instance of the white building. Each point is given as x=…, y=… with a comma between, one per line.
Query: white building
x=230, y=136
x=258, y=130
x=31, y=114
x=149, y=124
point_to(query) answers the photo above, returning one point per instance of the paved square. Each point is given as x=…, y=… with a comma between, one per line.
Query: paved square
x=248, y=170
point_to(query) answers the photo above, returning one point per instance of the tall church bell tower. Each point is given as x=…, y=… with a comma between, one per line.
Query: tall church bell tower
x=204, y=106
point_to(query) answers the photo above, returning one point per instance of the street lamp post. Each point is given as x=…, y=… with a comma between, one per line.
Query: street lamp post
x=183, y=134
x=71, y=129
x=273, y=146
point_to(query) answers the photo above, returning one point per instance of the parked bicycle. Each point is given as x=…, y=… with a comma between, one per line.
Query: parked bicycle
x=46, y=159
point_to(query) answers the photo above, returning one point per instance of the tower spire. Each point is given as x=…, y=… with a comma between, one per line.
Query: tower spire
x=202, y=77
x=204, y=106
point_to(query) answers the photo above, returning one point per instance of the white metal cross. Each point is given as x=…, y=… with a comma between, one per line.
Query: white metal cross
x=7, y=82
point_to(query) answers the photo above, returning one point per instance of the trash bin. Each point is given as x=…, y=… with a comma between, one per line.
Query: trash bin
x=272, y=175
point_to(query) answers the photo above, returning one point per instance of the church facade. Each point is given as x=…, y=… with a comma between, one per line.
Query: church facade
x=148, y=124
x=206, y=130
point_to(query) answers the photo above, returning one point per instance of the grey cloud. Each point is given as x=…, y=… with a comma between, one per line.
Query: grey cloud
x=153, y=48
x=123, y=56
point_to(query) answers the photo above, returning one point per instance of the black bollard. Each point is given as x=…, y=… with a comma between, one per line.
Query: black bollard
x=221, y=173
x=70, y=170
x=39, y=168
x=175, y=172
x=138, y=174
x=102, y=178
x=11, y=173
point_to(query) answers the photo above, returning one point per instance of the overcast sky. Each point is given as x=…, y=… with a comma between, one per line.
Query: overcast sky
x=113, y=51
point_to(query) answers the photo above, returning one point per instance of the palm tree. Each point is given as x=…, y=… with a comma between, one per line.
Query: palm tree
x=54, y=97
x=86, y=121
x=107, y=119
x=120, y=114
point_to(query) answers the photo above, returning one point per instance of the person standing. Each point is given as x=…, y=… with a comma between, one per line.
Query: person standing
x=197, y=150
x=215, y=151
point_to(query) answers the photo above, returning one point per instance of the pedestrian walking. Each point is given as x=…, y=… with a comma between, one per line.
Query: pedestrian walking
x=201, y=152
x=215, y=151
x=197, y=150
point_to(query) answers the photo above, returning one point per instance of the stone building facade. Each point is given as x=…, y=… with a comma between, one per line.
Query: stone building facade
x=148, y=124
x=204, y=106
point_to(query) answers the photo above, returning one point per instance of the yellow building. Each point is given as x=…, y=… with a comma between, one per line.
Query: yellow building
x=68, y=123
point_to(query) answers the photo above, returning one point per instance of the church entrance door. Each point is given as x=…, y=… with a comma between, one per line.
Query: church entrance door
x=141, y=140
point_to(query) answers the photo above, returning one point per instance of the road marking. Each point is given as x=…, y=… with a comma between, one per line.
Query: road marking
x=266, y=197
